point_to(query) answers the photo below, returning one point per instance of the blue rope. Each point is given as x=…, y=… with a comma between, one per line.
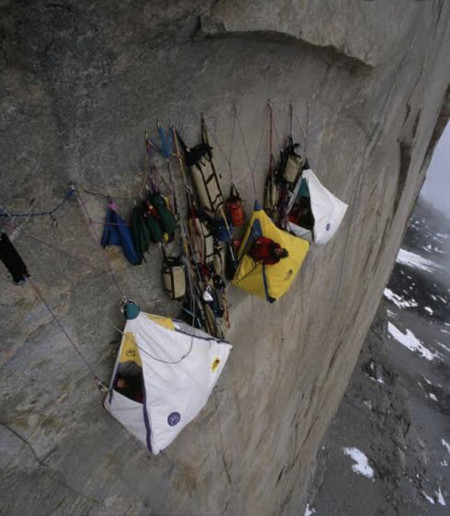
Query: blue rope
x=6, y=213
x=166, y=142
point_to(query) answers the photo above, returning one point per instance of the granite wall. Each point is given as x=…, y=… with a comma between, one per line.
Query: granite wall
x=81, y=82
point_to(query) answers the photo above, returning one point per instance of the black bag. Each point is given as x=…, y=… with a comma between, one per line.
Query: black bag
x=231, y=263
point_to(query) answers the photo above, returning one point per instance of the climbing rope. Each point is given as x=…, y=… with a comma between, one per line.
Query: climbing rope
x=231, y=144
x=228, y=158
x=304, y=135
x=291, y=109
x=50, y=246
x=219, y=424
x=269, y=105
x=275, y=129
x=99, y=383
x=306, y=129
x=95, y=237
x=107, y=195
x=251, y=168
x=6, y=213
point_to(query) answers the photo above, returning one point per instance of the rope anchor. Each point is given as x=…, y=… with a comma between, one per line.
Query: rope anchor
x=101, y=386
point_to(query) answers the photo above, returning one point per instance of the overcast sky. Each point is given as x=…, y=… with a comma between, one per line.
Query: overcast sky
x=436, y=188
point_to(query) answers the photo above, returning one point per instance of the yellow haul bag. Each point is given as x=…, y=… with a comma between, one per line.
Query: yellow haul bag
x=269, y=282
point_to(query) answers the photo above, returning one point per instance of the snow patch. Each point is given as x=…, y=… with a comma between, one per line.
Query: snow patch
x=379, y=378
x=431, y=500
x=440, y=498
x=368, y=404
x=433, y=396
x=443, y=346
x=429, y=310
x=445, y=444
x=410, y=341
x=361, y=466
x=414, y=260
x=309, y=511
x=399, y=301
x=444, y=463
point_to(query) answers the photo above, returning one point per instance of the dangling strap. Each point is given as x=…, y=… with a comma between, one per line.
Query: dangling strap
x=166, y=142
x=204, y=130
x=291, y=112
x=184, y=147
x=271, y=158
x=231, y=144
x=306, y=129
x=205, y=140
x=234, y=195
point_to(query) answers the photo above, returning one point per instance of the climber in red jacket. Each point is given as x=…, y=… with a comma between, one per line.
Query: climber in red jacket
x=266, y=251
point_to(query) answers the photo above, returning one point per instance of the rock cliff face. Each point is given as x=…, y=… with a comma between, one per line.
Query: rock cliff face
x=80, y=84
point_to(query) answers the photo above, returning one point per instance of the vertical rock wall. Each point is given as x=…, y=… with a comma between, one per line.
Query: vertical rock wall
x=80, y=84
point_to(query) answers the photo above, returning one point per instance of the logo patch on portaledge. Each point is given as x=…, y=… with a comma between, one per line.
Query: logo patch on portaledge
x=174, y=418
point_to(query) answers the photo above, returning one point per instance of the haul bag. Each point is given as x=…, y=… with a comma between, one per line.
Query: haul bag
x=207, y=185
x=219, y=260
x=271, y=195
x=202, y=241
x=293, y=168
x=235, y=208
x=174, y=278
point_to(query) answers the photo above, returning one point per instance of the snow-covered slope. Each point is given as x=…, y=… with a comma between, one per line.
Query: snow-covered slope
x=397, y=406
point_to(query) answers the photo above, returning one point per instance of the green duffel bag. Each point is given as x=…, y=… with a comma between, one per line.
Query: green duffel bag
x=166, y=217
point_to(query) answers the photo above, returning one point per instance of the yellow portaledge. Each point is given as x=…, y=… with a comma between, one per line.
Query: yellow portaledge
x=129, y=349
x=165, y=322
x=271, y=281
